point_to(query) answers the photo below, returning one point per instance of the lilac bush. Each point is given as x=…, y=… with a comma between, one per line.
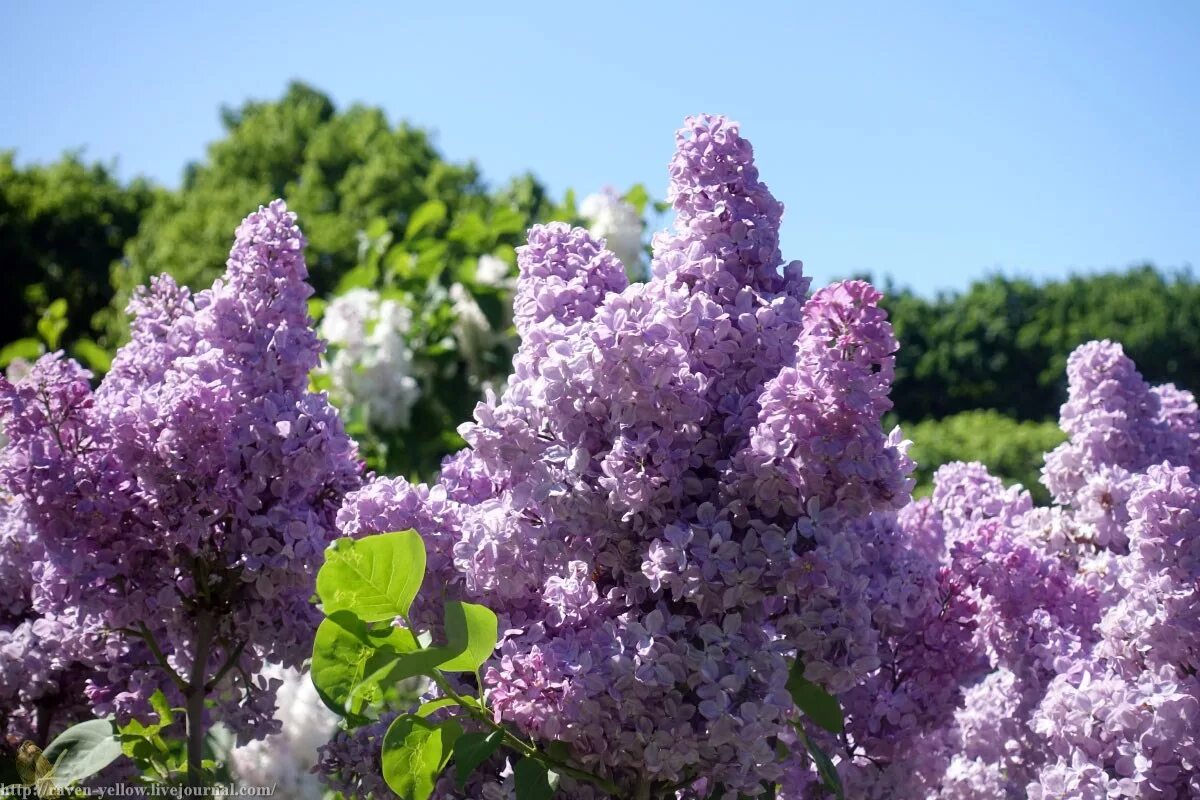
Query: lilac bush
x=685, y=487
x=661, y=504
x=709, y=578
x=182, y=507
x=1087, y=612
x=1040, y=652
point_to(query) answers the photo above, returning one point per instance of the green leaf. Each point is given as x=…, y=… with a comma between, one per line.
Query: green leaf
x=471, y=750
x=53, y=322
x=93, y=355
x=471, y=633
x=507, y=220
x=533, y=780
x=350, y=662
x=435, y=705
x=376, y=578
x=817, y=704
x=377, y=228
x=162, y=707
x=316, y=307
x=425, y=219
x=638, y=197
x=415, y=752
x=825, y=766
x=28, y=349
x=82, y=750
x=340, y=653
x=471, y=230
x=363, y=276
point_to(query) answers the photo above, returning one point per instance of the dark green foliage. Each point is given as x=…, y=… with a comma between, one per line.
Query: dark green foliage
x=339, y=170
x=61, y=227
x=1003, y=344
x=1010, y=449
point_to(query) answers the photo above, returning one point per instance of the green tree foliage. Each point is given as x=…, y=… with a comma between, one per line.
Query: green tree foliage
x=61, y=227
x=1012, y=450
x=339, y=170
x=1003, y=344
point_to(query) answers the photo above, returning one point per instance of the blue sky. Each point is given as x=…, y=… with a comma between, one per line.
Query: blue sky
x=933, y=142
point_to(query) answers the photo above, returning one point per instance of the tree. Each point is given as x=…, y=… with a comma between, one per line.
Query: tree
x=1011, y=450
x=340, y=170
x=61, y=227
x=1003, y=343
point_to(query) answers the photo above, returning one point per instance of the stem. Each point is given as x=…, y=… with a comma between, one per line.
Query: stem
x=44, y=717
x=197, y=691
x=523, y=747
x=642, y=790
x=229, y=664
x=146, y=636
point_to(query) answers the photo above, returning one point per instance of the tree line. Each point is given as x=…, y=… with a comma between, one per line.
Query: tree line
x=75, y=241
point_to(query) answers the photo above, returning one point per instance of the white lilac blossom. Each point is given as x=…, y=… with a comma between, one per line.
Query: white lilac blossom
x=617, y=224
x=369, y=360
x=472, y=330
x=184, y=505
x=663, y=504
x=495, y=272
x=285, y=760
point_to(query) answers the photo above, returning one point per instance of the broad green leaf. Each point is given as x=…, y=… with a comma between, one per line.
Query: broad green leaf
x=817, y=704
x=415, y=752
x=28, y=349
x=95, y=357
x=559, y=751
x=377, y=228
x=363, y=276
x=470, y=229
x=435, y=705
x=138, y=747
x=533, y=781
x=507, y=220
x=162, y=707
x=471, y=750
x=389, y=666
x=825, y=766
x=638, y=197
x=471, y=632
x=51, y=330
x=82, y=750
x=340, y=654
x=316, y=307
x=349, y=660
x=425, y=219
x=376, y=578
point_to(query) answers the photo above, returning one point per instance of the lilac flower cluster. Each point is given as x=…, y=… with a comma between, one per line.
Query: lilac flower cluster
x=1126, y=719
x=1086, y=613
x=350, y=762
x=1040, y=652
x=41, y=680
x=184, y=505
x=661, y=506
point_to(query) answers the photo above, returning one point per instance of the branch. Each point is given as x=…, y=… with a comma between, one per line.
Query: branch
x=229, y=664
x=146, y=636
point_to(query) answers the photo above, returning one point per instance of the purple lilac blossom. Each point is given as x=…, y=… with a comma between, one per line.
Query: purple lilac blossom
x=190, y=497
x=1087, y=611
x=660, y=504
x=41, y=677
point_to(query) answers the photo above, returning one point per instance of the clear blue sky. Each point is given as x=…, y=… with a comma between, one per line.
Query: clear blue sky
x=935, y=142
